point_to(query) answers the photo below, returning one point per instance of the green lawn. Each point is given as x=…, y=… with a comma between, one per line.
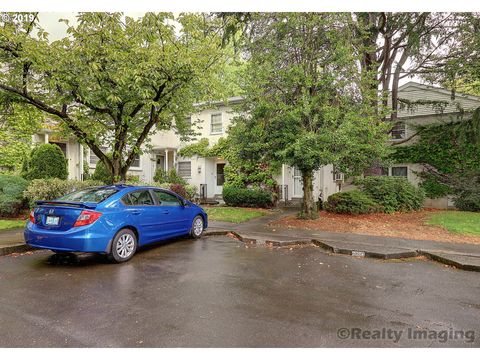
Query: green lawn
x=462, y=222
x=234, y=214
x=12, y=224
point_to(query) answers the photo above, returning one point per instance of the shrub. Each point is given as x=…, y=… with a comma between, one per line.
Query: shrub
x=46, y=161
x=11, y=195
x=188, y=191
x=246, y=197
x=170, y=177
x=49, y=189
x=102, y=174
x=352, y=202
x=468, y=201
x=393, y=193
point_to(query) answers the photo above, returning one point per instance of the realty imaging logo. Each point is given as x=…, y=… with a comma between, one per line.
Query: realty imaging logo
x=414, y=334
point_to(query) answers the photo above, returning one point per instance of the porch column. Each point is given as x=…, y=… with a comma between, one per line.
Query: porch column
x=80, y=149
x=46, y=138
x=166, y=160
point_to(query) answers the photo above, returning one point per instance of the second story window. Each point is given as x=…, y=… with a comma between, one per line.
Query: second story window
x=399, y=131
x=216, y=124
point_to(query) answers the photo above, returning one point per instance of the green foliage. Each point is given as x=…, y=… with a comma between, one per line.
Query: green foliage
x=11, y=195
x=392, y=193
x=187, y=191
x=353, y=202
x=50, y=189
x=200, y=148
x=246, y=197
x=468, y=200
x=17, y=125
x=450, y=154
x=102, y=174
x=304, y=110
x=46, y=161
x=170, y=177
x=121, y=78
x=242, y=170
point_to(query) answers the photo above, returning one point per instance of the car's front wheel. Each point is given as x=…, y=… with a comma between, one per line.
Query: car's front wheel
x=124, y=246
x=197, y=227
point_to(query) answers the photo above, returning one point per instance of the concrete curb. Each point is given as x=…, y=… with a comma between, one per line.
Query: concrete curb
x=447, y=260
x=16, y=248
x=470, y=263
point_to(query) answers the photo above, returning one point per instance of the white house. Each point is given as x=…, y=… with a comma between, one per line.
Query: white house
x=208, y=173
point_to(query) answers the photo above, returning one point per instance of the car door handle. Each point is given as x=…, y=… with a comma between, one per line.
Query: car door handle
x=165, y=212
x=136, y=212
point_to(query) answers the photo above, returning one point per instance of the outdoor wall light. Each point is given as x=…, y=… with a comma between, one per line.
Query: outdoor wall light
x=199, y=169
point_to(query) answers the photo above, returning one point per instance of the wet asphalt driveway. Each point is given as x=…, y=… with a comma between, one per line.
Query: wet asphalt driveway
x=217, y=292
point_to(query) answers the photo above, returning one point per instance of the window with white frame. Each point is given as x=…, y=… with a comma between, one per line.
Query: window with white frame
x=399, y=131
x=216, y=124
x=93, y=159
x=136, y=162
x=400, y=171
x=185, y=169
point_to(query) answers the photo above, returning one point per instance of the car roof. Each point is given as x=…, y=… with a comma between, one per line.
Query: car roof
x=136, y=187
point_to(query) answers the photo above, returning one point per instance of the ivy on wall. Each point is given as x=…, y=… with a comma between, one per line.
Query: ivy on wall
x=240, y=171
x=450, y=153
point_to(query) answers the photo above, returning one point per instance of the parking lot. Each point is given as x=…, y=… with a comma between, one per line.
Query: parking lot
x=218, y=292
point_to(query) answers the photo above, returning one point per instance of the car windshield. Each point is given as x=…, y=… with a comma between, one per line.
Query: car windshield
x=94, y=195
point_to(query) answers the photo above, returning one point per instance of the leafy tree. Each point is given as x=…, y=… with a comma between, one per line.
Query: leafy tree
x=395, y=46
x=17, y=125
x=302, y=98
x=114, y=79
x=46, y=161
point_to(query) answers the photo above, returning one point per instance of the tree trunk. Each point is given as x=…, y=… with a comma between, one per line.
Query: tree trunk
x=309, y=206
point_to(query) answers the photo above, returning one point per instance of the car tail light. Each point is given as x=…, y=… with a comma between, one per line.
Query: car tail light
x=32, y=216
x=87, y=217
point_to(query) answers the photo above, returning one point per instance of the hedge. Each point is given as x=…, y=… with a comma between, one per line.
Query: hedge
x=50, y=189
x=11, y=195
x=246, y=197
x=353, y=202
x=46, y=161
x=393, y=193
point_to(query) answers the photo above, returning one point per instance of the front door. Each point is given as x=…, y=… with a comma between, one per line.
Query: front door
x=220, y=178
x=160, y=164
x=297, y=183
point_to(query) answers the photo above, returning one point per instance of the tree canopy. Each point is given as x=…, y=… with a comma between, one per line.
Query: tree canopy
x=114, y=79
x=303, y=98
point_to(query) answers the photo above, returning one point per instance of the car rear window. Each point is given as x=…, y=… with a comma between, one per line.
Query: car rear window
x=95, y=195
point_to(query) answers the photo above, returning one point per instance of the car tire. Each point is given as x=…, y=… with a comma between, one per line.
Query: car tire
x=124, y=246
x=197, y=227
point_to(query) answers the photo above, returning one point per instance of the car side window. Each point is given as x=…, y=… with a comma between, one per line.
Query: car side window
x=166, y=199
x=138, y=198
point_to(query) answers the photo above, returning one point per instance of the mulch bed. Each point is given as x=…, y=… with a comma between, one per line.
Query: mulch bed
x=403, y=225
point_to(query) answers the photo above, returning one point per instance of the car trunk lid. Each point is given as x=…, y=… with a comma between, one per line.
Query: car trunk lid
x=59, y=215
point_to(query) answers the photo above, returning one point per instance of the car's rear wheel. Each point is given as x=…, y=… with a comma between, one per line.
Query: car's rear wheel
x=124, y=246
x=197, y=227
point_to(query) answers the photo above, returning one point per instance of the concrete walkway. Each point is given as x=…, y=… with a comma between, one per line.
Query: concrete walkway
x=461, y=255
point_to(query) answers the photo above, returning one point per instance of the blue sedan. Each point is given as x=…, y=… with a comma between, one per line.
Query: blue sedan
x=114, y=220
